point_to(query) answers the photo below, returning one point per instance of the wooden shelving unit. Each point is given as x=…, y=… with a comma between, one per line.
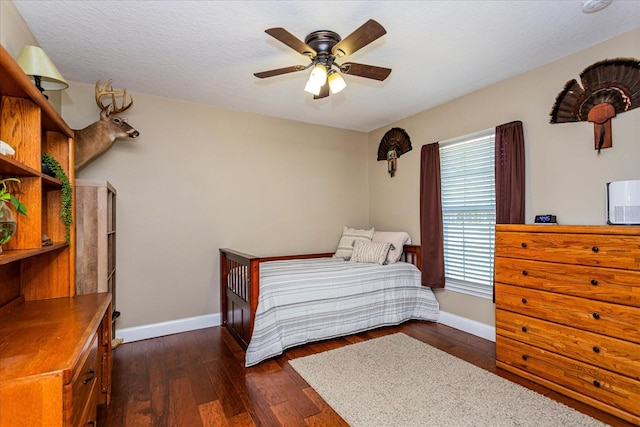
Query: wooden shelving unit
x=96, y=238
x=55, y=362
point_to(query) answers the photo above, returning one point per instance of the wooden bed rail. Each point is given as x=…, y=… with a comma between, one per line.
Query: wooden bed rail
x=239, y=289
x=413, y=255
x=238, y=273
x=240, y=286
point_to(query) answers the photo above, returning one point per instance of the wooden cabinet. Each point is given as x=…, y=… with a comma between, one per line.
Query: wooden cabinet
x=55, y=362
x=568, y=311
x=55, y=348
x=28, y=123
x=96, y=238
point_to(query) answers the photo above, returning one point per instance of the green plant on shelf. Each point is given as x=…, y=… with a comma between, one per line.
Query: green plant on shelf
x=6, y=196
x=66, y=213
x=8, y=225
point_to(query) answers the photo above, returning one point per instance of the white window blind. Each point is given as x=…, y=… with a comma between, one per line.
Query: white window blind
x=469, y=212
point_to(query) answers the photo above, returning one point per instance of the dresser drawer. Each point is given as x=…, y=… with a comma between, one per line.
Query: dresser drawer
x=596, y=316
x=604, y=284
x=612, y=389
x=599, y=350
x=89, y=413
x=602, y=250
x=82, y=390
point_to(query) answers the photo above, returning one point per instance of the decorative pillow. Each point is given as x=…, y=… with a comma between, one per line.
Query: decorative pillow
x=370, y=252
x=397, y=238
x=349, y=236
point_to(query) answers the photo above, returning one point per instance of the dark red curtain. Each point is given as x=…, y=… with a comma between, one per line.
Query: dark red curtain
x=510, y=173
x=431, y=230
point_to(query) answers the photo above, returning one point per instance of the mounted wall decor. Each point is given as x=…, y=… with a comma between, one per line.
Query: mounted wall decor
x=394, y=144
x=99, y=136
x=611, y=87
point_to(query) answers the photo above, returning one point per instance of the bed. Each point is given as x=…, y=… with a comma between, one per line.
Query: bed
x=270, y=304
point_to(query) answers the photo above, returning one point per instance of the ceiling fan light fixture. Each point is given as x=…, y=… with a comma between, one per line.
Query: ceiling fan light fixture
x=336, y=82
x=319, y=75
x=312, y=87
x=322, y=48
x=317, y=79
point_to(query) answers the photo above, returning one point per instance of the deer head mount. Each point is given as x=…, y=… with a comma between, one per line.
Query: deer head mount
x=99, y=136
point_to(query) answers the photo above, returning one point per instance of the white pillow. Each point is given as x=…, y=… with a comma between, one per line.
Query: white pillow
x=397, y=238
x=349, y=236
x=370, y=252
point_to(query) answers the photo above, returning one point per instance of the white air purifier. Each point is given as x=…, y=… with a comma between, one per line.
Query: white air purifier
x=623, y=202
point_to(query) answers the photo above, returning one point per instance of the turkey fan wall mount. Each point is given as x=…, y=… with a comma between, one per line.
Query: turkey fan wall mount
x=394, y=144
x=323, y=48
x=611, y=87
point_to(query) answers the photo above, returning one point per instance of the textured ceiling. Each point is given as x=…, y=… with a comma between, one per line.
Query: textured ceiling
x=207, y=51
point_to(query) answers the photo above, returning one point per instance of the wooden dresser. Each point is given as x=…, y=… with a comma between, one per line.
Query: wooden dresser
x=55, y=347
x=55, y=361
x=568, y=311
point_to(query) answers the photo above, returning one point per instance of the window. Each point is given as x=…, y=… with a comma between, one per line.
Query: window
x=469, y=212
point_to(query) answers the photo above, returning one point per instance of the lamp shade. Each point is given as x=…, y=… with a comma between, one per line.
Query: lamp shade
x=317, y=79
x=36, y=63
x=318, y=75
x=313, y=87
x=336, y=82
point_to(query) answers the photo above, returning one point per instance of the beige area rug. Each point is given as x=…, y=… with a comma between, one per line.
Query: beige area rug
x=397, y=380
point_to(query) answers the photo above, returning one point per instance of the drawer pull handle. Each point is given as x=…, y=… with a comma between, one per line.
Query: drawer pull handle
x=596, y=383
x=524, y=329
x=595, y=249
x=525, y=272
x=594, y=282
x=525, y=357
x=91, y=423
x=92, y=375
x=596, y=349
x=524, y=300
x=524, y=245
x=596, y=316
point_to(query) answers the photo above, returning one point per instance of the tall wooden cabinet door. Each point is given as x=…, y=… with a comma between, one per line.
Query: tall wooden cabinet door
x=96, y=238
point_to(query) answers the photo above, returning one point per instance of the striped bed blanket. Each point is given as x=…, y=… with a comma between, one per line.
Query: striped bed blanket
x=306, y=300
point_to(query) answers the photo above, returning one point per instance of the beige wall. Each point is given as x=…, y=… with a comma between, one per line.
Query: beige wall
x=14, y=33
x=565, y=175
x=200, y=178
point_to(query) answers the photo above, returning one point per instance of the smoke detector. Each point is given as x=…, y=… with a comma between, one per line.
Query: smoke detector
x=590, y=6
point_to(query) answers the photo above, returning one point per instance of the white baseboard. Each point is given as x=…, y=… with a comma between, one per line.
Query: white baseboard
x=155, y=330
x=472, y=327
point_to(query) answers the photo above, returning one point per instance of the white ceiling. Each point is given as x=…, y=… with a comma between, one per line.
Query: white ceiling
x=207, y=51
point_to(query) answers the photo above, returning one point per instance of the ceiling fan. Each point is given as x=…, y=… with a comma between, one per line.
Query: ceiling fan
x=323, y=48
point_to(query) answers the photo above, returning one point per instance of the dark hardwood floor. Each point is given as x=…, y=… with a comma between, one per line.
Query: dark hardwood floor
x=198, y=378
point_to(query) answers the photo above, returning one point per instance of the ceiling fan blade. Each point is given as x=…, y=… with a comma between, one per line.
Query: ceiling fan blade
x=279, y=71
x=292, y=41
x=367, y=71
x=368, y=32
x=324, y=91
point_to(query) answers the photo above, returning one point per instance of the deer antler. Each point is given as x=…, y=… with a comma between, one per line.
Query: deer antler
x=104, y=91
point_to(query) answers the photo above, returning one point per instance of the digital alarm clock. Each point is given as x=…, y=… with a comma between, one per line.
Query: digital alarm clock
x=546, y=219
